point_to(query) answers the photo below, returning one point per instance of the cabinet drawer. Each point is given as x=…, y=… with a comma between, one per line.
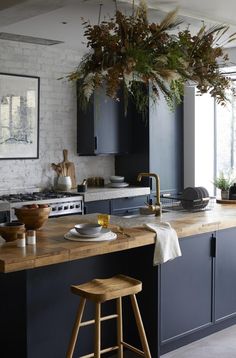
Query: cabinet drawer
x=100, y=206
x=128, y=203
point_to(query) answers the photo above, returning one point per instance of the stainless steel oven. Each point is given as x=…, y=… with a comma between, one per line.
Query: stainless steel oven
x=61, y=203
x=4, y=212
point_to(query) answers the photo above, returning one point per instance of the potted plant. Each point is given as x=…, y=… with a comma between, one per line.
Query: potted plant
x=224, y=182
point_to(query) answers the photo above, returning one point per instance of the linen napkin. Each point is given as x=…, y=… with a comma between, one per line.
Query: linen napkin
x=2, y=240
x=167, y=243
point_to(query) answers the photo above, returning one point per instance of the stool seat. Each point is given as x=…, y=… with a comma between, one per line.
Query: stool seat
x=101, y=290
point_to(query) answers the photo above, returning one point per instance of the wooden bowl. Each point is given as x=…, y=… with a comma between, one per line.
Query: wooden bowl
x=33, y=218
x=9, y=230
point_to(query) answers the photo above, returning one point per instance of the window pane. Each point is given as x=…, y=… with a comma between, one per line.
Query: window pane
x=226, y=136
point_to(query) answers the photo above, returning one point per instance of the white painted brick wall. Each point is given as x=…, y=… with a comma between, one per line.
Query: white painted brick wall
x=57, y=116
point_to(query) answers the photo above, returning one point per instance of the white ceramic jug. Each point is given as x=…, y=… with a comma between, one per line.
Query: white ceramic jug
x=64, y=183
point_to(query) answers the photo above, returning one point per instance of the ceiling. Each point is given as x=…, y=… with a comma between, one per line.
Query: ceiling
x=61, y=19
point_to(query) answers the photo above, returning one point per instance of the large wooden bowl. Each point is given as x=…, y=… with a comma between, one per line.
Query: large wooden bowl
x=9, y=230
x=33, y=218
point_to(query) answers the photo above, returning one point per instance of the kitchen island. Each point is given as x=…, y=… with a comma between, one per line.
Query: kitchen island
x=179, y=302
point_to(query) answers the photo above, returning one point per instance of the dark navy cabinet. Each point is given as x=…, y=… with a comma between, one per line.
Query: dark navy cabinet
x=101, y=127
x=186, y=289
x=225, y=274
x=121, y=206
x=156, y=145
x=128, y=205
x=100, y=206
x=198, y=290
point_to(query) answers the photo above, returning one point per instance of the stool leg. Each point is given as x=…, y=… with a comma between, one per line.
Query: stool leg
x=97, y=350
x=76, y=327
x=119, y=327
x=140, y=326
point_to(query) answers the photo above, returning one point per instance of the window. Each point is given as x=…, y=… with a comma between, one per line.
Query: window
x=209, y=138
x=225, y=124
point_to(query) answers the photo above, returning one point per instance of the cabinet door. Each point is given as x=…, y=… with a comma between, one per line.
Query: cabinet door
x=186, y=289
x=85, y=129
x=108, y=121
x=166, y=145
x=225, y=274
x=100, y=206
x=156, y=146
x=102, y=128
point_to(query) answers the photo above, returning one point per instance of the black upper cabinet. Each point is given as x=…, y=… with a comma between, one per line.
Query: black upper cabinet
x=102, y=127
x=156, y=146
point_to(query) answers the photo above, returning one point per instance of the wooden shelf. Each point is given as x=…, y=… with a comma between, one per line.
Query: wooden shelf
x=225, y=201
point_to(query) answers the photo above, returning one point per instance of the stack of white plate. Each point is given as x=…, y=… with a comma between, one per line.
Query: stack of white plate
x=117, y=182
x=103, y=235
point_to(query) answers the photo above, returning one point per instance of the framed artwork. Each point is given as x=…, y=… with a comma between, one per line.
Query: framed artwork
x=19, y=117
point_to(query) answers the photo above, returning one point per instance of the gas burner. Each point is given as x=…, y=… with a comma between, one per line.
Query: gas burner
x=44, y=195
x=55, y=194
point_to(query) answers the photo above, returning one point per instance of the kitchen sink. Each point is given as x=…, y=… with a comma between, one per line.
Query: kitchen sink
x=138, y=215
x=168, y=209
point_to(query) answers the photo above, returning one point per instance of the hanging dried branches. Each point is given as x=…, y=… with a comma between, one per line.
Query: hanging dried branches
x=130, y=52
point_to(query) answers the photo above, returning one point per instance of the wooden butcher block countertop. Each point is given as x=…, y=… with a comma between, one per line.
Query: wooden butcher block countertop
x=52, y=248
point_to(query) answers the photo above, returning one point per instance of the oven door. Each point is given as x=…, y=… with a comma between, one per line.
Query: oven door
x=4, y=216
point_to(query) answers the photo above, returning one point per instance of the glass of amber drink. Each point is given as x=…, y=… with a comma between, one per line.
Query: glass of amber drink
x=104, y=220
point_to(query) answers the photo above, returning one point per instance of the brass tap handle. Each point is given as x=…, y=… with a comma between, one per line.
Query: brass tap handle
x=158, y=199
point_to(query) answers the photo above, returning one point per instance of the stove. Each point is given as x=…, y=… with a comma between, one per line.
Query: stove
x=62, y=203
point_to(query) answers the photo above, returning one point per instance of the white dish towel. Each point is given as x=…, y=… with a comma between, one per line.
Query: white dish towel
x=167, y=243
x=2, y=240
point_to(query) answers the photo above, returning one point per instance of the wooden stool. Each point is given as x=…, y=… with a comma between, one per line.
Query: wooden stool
x=99, y=291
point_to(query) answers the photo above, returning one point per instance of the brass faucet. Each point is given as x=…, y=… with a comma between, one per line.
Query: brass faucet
x=157, y=207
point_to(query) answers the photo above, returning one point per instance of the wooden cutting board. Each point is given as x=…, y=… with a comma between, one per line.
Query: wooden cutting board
x=69, y=167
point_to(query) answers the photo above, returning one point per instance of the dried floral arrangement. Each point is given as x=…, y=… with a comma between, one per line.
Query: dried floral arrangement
x=128, y=52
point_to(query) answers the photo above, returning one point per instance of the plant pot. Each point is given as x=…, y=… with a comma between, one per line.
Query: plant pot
x=64, y=183
x=225, y=194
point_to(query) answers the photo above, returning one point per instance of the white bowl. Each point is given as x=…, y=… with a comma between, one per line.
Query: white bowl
x=88, y=229
x=116, y=179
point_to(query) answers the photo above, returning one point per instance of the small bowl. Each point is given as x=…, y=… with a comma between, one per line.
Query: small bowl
x=9, y=230
x=117, y=179
x=88, y=229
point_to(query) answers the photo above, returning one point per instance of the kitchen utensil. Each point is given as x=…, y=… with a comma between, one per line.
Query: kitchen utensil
x=82, y=187
x=57, y=168
x=69, y=168
x=9, y=230
x=33, y=218
x=88, y=229
x=121, y=231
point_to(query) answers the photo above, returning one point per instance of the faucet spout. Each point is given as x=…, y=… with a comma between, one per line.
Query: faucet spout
x=158, y=195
